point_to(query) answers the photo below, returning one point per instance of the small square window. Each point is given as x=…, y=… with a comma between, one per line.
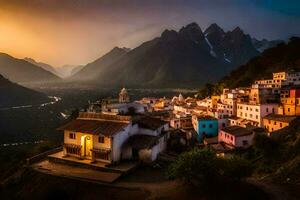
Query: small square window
x=72, y=136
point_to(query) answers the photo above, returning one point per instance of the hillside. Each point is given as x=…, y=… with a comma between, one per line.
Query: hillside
x=187, y=58
x=45, y=66
x=95, y=69
x=283, y=57
x=15, y=95
x=21, y=71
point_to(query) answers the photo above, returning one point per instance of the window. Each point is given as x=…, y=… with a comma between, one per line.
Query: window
x=203, y=126
x=223, y=124
x=280, y=125
x=101, y=139
x=210, y=126
x=267, y=109
x=72, y=136
x=274, y=123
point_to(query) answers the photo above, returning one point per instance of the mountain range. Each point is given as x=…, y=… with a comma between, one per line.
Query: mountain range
x=13, y=94
x=63, y=71
x=189, y=57
x=22, y=71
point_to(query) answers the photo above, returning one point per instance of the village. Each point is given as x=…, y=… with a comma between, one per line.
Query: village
x=112, y=137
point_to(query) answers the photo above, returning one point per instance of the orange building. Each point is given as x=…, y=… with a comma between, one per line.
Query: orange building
x=274, y=122
x=290, y=100
x=214, y=101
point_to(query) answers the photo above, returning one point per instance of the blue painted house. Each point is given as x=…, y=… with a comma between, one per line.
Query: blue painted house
x=205, y=126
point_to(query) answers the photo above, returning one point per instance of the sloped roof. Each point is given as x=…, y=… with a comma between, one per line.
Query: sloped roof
x=150, y=123
x=142, y=141
x=95, y=127
x=237, y=131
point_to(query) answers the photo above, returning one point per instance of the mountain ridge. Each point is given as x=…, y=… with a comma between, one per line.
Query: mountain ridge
x=22, y=71
x=184, y=58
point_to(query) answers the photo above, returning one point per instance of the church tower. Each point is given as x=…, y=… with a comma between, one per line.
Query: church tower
x=123, y=96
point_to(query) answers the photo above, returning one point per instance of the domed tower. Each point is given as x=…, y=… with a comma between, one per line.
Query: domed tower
x=180, y=98
x=123, y=96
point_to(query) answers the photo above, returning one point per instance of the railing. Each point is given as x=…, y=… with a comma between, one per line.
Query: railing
x=73, y=149
x=102, y=154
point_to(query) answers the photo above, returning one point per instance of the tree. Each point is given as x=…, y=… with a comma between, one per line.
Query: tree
x=266, y=145
x=203, y=167
x=195, y=167
x=237, y=168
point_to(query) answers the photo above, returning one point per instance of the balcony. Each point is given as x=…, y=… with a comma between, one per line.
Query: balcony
x=72, y=149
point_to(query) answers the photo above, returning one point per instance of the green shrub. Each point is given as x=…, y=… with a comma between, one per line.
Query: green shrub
x=203, y=167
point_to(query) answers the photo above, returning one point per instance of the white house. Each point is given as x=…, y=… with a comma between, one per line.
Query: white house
x=112, y=138
x=255, y=112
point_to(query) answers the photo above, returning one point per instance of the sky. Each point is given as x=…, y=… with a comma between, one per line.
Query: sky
x=61, y=32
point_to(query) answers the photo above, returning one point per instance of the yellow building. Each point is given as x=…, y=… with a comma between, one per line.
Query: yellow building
x=94, y=136
x=290, y=100
x=274, y=122
x=214, y=101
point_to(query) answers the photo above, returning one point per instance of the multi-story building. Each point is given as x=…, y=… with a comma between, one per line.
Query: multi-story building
x=280, y=79
x=181, y=121
x=205, y=126
x=290, y=101
x=260, y=95
x=214, y=101
x=274, y=122
x=255, y=112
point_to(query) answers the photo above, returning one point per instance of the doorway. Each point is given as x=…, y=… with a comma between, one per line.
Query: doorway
x=86, y=143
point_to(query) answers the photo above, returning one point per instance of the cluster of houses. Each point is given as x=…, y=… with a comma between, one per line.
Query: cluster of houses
x=230, y=120
x=113, y=130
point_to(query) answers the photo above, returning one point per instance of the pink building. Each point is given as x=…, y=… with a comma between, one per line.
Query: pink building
x=236, y=136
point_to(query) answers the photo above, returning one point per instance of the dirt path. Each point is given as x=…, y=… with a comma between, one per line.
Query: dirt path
x=174, y=190
x=276, y=192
